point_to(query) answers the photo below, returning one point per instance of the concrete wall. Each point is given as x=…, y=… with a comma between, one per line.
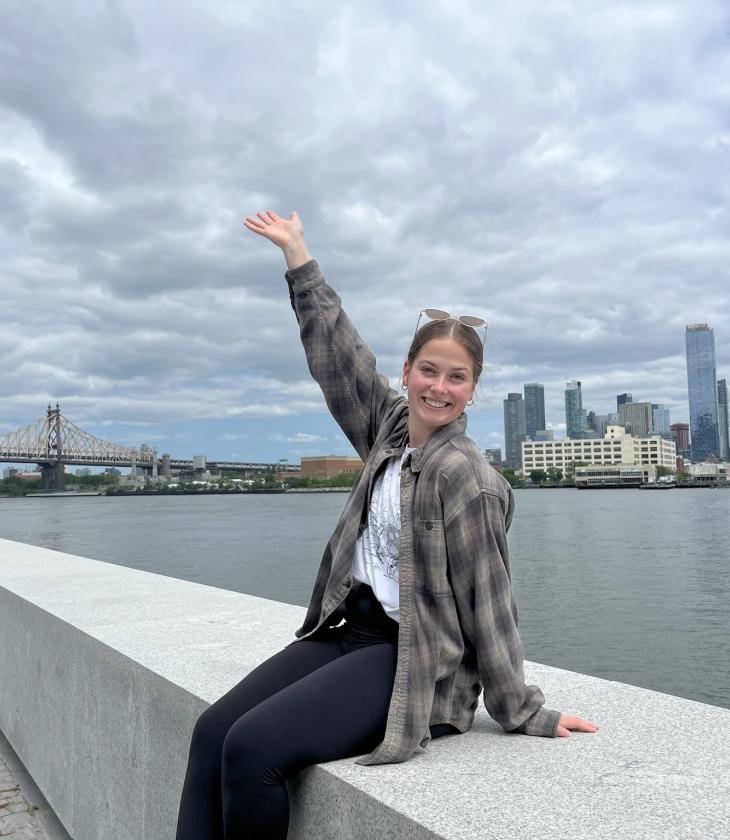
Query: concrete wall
x=104, y=669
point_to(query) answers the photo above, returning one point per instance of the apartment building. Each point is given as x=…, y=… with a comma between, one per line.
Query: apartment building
x=616, y=447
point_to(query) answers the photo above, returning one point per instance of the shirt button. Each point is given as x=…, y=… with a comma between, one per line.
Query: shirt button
x=348, y=581
x=429, y=526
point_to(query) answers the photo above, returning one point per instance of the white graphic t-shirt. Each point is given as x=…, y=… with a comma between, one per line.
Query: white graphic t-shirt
x=377, y=548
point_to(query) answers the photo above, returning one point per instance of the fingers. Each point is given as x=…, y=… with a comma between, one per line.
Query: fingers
x=568, y=722
x=265, y=219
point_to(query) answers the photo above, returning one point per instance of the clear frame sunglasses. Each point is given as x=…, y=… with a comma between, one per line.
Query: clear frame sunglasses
x=467, y=320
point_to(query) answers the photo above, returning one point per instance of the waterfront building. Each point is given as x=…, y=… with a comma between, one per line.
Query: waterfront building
x=328, y=466
x=709, y=473
x=493, y=456
x=534, y=408
x=616, y=447
x=514, y=430
x=622, y=399
x=723, y=420
x=616, y=475
x=660, y=420
x=680, y=436
x=575, y=415
x=702, y=391
x=636, y=418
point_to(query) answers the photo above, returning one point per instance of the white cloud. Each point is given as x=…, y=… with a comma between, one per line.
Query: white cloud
x=562, y=169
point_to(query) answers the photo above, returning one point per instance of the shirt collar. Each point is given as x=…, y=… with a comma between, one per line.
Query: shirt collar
x=435, y=441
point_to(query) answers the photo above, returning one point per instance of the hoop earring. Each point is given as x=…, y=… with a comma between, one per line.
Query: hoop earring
x=404, y=387
x=471, y=401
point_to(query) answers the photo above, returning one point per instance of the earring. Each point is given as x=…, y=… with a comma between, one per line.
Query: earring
x=404, y=386
x=471, y=401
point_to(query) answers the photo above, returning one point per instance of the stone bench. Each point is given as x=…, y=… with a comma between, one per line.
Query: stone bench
x=104, y=670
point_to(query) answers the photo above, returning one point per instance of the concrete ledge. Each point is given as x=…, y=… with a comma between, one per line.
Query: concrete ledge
x=104, y=670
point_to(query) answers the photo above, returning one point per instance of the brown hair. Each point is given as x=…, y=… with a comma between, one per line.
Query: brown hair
x=451, y=328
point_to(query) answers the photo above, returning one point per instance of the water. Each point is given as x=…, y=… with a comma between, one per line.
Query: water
x=623, y=584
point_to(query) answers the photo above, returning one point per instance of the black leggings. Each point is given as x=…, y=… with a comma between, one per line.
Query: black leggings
x=319, y=699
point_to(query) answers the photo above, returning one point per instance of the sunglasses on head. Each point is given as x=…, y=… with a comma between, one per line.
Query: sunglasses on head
x=467, y=320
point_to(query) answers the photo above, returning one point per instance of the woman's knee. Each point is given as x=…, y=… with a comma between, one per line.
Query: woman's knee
x=209, y=731
x=247, y=752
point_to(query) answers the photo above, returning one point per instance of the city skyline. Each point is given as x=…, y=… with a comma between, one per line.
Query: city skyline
x=540, y=168
x=706, y=396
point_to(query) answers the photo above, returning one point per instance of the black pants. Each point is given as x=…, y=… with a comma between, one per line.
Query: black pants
x=322, y=698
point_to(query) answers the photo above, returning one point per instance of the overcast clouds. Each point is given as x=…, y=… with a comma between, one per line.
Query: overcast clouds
x=560, y=167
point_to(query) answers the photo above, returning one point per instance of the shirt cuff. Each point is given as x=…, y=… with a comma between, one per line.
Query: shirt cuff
x=304, y=277
x=543, y=722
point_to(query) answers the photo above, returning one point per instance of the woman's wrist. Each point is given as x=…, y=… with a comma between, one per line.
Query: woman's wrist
x=296, y=253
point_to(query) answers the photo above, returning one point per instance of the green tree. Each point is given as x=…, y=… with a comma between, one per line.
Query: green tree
x=570, y=471
x=15, y=486
x=514, y=479
x=662, y=471
x=538, y=476
x=555, y=475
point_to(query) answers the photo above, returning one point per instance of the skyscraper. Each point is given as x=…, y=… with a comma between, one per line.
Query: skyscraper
x=575, y=416
x=702, y=390
x=514, y=430
x=636, y=418
x=660, y=420
x=680, y=435
x=534, y=409
x=494, y=455
x=623, y=398
x=723, y=420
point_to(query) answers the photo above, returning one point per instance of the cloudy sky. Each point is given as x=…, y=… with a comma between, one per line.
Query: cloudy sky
x=560, y=167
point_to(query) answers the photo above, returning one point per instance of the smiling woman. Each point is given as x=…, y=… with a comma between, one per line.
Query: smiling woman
x=412, y=614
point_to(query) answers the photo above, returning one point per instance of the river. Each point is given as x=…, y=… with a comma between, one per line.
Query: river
x=623, y=584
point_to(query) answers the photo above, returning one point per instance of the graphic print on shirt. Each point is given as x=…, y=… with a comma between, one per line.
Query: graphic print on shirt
x=384, y=525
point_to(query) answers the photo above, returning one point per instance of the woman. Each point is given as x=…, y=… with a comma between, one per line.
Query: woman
x=412, y=613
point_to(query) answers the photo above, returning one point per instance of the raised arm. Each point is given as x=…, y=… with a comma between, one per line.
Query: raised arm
x=343, y=365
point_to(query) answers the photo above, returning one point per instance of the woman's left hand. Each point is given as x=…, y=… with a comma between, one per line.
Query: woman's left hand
x=567, y=722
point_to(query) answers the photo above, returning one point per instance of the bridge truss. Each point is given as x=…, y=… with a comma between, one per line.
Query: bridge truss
x=54, y=441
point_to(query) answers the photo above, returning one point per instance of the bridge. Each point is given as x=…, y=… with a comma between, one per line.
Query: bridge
x=54, y=441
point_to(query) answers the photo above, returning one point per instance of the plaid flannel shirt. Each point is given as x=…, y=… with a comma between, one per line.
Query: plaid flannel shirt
x=458, y=620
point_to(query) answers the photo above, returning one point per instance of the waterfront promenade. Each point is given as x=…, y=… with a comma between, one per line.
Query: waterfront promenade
x=105, y=669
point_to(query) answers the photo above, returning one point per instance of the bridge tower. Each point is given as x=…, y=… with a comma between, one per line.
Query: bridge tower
x=52, y=471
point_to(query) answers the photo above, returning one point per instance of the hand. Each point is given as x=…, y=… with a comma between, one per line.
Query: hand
x=567, y=722
x=280, y=231
x=286, y=233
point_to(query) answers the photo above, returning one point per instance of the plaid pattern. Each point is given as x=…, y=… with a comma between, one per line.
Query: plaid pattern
x=458, y=620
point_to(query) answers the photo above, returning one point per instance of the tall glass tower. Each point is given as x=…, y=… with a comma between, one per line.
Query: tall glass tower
x=724, y=419
x=702, y=390
x=575, y=415
x=514, y=430
x=534, y=409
